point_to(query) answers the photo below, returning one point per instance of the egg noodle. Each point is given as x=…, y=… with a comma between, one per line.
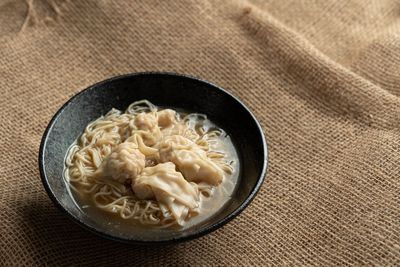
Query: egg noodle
x=152, y=180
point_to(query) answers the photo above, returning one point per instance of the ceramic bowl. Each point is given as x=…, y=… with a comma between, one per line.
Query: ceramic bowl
x=166, y=90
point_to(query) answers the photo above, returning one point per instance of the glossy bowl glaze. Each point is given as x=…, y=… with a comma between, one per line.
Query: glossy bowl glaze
x=167, y=90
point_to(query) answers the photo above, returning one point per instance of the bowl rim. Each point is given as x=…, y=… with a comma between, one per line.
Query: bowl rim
x=199, y=232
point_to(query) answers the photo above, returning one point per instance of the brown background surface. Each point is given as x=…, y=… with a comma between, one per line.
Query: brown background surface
x=321, y=76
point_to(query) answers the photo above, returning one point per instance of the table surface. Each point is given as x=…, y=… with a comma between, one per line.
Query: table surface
x=322, y=77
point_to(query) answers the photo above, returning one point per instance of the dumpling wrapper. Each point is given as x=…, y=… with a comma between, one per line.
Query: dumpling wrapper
x=146, y=125
x=124, y=162
x=190, y=159
x=169, y=188
x=166, y=118
x=197, y=168
x=177, y=129
x=168, y=205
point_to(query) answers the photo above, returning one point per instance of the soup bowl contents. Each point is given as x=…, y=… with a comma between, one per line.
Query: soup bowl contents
x=152, y=166
x=173, y=167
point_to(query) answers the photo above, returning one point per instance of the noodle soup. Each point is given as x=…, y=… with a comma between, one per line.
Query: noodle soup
x=151, y=167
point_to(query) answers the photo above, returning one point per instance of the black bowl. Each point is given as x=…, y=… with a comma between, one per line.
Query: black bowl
x=162, y=89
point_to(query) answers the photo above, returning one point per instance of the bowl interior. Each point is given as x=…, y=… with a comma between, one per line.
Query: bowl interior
x=162, y=89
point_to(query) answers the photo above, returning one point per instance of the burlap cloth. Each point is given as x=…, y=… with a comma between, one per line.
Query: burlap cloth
x=322, y=77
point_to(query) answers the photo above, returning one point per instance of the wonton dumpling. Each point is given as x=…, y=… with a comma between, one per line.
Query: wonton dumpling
x=147, y=123
x=168, y=187
x=124, y=162
x=190, y=159
x=166, y=117
x=175, y=142
x=197, y=168
x=180, y=130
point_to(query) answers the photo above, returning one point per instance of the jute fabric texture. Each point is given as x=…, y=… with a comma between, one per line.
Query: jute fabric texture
x=322, y=77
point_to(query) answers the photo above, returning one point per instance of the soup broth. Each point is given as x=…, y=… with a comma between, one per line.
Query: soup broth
x=134, y=170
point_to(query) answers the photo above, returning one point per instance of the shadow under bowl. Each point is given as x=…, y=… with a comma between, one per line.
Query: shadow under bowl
x=167, y=90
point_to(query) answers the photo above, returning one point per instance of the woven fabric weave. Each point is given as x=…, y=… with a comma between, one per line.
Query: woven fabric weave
x=322, y=77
